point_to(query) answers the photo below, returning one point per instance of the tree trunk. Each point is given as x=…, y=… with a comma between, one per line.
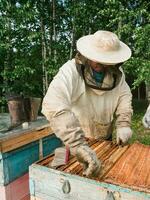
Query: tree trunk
x=50, y=8
x=72, y=44
x=73, y=32
x=45, y=81
x=139, y=96
x=54, y=30
x=148, y=91
x=8, y=61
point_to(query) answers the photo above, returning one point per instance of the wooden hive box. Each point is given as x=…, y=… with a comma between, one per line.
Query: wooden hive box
x=15, y=163
x=124, y=176
x=18, y=150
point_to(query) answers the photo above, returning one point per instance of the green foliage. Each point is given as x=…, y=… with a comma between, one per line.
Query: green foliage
x=23, y=65
x=138, y=68
x=139, y=132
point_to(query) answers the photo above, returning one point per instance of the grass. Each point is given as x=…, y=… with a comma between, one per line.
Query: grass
x=139, y=132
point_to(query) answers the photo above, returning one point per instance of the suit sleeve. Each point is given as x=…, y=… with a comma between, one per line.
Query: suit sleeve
x=56, y=107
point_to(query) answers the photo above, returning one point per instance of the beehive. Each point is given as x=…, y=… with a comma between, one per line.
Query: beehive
x=124, y=175
x=18, y=149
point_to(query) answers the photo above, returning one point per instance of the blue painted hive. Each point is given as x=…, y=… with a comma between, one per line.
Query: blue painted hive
x=20, y=148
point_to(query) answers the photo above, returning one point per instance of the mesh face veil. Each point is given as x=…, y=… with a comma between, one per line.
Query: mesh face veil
x=86, y=72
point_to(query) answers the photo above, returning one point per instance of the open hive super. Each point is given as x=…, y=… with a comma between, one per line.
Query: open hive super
x=127, y=166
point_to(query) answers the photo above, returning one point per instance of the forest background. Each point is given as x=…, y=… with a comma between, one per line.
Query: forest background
x=38, y=36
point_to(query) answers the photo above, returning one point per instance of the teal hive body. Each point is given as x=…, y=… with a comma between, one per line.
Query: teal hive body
x=15, y=163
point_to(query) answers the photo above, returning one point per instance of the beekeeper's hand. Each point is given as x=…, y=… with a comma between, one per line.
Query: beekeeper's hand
x=87, y=157
x=146, y=119
x=123, y=135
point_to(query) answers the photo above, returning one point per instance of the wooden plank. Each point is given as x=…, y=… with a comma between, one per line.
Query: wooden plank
x=1, y=170
x=111, y=160
x=46, y=183
x=2, y=193
x=26, y=198
x=40, y=123
x=111, y=155
x=10, y=143
x=53, y=189
x=16, y=190
x=15, y=163
x=34, y=198
x=132, y=169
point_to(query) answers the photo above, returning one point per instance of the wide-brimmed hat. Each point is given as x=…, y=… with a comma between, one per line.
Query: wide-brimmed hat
x=103, y=47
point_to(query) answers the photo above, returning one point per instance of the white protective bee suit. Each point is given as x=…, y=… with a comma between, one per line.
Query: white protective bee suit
x=75, y=111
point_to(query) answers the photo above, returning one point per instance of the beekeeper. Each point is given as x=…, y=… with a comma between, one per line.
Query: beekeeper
x=88, y=94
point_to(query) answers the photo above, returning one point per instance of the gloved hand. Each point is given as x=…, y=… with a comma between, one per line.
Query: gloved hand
x=123, y=134
x=146, y=119
x=87, y=157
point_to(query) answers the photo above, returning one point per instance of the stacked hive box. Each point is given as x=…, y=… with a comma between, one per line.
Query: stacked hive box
x=18, y=150
x=124, y=176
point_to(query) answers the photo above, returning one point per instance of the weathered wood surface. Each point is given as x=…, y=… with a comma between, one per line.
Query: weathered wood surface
x=17, y=190
x=133, y=169
x=34, y=198
x=15, y=163
x=5, y=124
x=47, y=183
x=26, y=198
x=106, y=151
x=18, y=137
